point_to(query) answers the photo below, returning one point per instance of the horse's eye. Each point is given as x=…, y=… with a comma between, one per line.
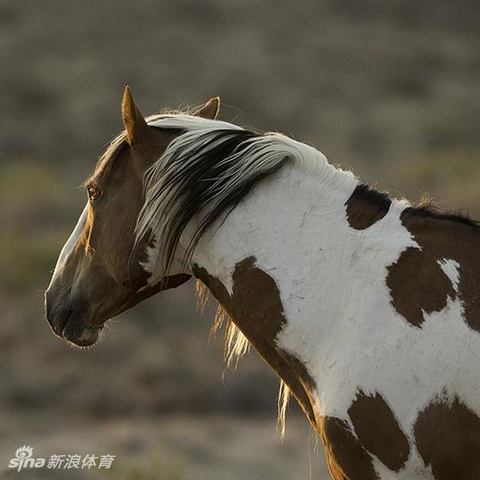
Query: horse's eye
x=93, y=193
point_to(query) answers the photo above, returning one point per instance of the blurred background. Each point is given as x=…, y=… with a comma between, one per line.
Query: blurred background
x=389, y=89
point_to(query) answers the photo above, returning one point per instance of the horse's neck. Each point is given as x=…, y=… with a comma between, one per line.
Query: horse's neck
x=295, y=227
x=282, y=262
x=284, y=222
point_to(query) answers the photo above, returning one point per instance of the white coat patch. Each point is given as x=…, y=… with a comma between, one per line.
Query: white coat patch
x=340, y=320
x=451, y=269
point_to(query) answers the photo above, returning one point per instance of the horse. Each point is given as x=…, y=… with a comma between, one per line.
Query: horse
x=367, y=307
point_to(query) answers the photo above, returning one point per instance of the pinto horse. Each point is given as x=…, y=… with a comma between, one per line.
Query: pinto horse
x=366, y=307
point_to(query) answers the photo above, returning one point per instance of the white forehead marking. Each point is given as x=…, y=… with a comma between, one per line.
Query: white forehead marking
x=71, y=242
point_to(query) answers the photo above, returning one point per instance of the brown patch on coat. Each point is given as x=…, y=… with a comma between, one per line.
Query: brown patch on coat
x=418, y=284
x=378, y=431
x=346, y=457
x=256, y=308
x=448, y=440
x=366, y=207
x=416, y=280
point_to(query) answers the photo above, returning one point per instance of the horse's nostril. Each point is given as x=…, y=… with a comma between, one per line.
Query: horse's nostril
x=57, y=316
x=58, y=322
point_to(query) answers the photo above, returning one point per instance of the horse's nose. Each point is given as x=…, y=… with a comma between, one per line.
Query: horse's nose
x=56, y=315
x=68, y=319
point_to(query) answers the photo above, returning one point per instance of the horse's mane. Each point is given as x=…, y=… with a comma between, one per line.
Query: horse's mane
x=204, y=173
x=425, y=207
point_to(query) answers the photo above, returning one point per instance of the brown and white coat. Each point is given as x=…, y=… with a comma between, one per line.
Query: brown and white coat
x=366, y=307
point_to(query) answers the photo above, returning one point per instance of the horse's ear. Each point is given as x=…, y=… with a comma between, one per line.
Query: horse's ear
x=210, y=109
x=135, y=124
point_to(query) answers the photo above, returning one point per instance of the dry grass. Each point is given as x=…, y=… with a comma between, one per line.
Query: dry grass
x=390, y=90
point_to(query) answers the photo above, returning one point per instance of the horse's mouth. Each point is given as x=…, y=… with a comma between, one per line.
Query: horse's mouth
x=71, y=328
x=81, y=336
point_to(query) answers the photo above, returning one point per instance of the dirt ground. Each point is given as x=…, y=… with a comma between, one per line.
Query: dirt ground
x=389, y=89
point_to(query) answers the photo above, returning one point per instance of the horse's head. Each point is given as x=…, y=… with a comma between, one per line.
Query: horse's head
x=101, y=269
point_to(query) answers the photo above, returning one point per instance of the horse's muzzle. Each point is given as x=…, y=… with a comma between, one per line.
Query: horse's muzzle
x=69, y=320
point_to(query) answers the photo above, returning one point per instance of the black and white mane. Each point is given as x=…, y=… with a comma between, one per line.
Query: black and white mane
x=206, y=171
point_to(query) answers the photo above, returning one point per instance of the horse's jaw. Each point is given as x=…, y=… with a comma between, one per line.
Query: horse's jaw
x=80, y=322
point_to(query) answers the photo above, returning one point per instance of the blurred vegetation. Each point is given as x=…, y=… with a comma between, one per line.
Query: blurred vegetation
x=157, y=466
x=35, y=205
x=390, y=90
x=450, y=178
